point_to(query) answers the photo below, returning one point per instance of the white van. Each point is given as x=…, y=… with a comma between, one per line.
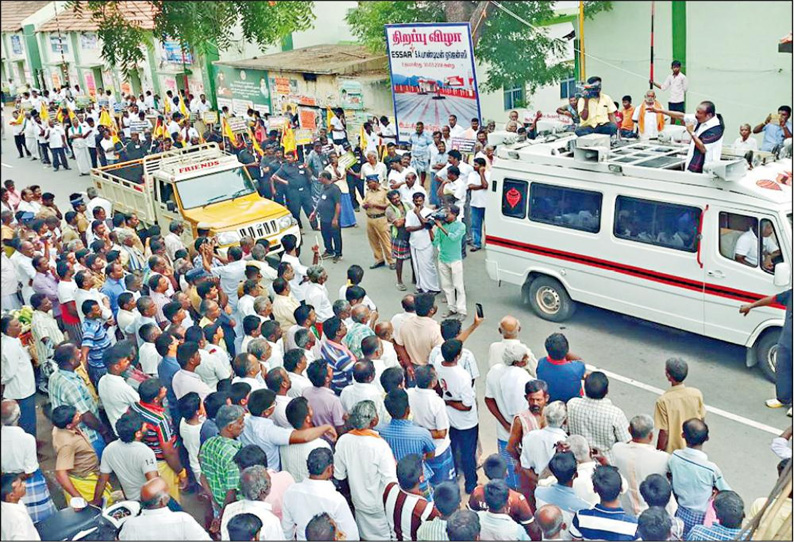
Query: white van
x=627, y=229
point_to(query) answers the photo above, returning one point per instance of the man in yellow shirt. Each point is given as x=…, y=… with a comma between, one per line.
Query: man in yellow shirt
x=596, y=111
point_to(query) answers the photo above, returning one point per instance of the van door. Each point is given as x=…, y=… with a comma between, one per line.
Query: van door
x=163, y=198
x=741, y=249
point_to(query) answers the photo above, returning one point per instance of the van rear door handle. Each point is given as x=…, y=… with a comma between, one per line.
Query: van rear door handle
x=716, y=274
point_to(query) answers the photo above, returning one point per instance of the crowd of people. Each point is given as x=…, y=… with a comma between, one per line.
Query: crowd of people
x=295, y=412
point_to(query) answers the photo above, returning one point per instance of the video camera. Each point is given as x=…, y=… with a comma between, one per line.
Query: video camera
x=588, y=90
x=439, y=214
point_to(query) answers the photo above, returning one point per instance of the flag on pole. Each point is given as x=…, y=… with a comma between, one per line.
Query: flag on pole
x=167, y=105
x=159, y=129
x=182, y=106
x=227, y=131
x=255, y=143
x=105, y=119
x=329, y=115
x=44, y=113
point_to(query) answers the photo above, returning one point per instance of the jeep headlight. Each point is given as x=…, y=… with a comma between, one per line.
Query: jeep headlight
x=285, y=222
x=228, y=237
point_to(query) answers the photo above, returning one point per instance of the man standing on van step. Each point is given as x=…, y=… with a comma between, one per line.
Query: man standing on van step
x=448, y=239
x=783, y=361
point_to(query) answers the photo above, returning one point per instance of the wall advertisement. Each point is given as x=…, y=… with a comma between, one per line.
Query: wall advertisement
x=241, y=89
x=432, y=75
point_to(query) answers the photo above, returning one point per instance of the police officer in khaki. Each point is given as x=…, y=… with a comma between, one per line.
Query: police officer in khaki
x=375, y=204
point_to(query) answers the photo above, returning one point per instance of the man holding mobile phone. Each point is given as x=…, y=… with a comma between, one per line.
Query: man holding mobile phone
x=776, y=128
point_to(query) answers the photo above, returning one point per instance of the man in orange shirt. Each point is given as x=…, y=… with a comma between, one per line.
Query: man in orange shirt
x=627, y=126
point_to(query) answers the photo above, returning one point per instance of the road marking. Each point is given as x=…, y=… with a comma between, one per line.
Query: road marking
x=7, y=165
x=718, y=411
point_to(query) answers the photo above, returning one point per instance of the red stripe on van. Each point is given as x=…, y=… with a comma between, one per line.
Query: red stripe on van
x=671, y=280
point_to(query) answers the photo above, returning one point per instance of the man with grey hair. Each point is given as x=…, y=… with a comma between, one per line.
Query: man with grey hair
x=136, y=261
x=538, y=446
x=342, y=310
x=18, y=454
x=255, y=485
x=259, y=259
x=263, y=308
x=173, y=241
x=637, y=460
x=549, y=518
x=365, y=461
x=306, y=340
x=261, y=350
x=362, y=327
x=157, y=522
x=219, y=472
x=95, y=200
x=317, y=293
x=514, y=379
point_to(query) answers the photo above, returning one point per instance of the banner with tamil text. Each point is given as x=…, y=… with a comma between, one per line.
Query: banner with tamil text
x=432, y=75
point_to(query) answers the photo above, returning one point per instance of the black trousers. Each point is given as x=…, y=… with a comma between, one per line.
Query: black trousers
x=332, y=238
x=19, y=141
x=464, y=450
x=355, y=184
x=92, y=152
x=59, y=159
x=44, y=152
x=297, y=200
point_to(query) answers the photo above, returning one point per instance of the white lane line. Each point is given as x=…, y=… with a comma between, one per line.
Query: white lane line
x=718, y=411
x=7, y=165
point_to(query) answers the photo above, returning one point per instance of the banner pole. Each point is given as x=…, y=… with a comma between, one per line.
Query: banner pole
x=653, y=16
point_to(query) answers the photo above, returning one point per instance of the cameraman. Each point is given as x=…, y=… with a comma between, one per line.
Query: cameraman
x=596, y=111
x=448, y=239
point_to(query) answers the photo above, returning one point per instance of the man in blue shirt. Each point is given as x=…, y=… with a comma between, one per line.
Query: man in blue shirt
x=562, y=373
x=606, y=520
x=775, y=133
x=114, y=285
x=405, y=437
x=166, y=345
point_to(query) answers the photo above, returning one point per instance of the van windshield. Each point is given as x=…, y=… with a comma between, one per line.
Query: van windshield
x=215, y=187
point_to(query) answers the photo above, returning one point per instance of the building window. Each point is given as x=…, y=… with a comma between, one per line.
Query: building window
x=567, y=88
x=655, y=223
x=514, y=96
x=565, y=207
x=59, y=45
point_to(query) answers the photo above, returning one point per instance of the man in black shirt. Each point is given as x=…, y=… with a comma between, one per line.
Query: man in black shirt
x=296, y=179
x=329, y=205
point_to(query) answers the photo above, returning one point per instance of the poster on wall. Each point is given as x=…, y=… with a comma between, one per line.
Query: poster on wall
x=16, y=45
x=247, y=89
x=172, y=53
x=432, y=75
x=351, y=95
x=90, y=83
x=88, y=41
x=308, y=118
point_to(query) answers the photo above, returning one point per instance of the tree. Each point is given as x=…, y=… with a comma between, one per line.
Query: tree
x=198, y=26
x=511, y=51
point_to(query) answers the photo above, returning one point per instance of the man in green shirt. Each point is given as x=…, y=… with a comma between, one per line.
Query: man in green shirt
x=448, y=238
x=219, y=473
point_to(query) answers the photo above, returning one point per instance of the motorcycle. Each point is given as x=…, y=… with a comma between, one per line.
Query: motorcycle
x=88, y=522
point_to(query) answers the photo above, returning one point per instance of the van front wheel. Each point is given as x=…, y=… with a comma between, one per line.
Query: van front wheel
x=549, y=300
x=766, y=354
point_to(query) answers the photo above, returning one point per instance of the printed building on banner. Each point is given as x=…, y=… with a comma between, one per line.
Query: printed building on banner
x=432, y=75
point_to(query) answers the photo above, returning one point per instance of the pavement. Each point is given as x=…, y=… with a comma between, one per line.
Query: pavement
x=631, y=351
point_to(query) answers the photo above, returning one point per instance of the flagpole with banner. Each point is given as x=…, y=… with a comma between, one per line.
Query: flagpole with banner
x=653, y=16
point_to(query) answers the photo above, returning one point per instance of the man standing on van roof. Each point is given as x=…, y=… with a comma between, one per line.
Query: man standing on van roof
x=706, y=129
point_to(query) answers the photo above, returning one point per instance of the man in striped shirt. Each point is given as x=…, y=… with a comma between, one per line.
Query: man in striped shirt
x=337, y=354
x=406, y=508
x=607, y=520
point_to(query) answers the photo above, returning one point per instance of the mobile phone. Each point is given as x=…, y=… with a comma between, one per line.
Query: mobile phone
x=478, y=307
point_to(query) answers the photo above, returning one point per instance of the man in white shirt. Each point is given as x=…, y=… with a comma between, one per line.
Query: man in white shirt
x=200, y=105
x=455, y=129
x=15, y=523
x=745, y=141
x=514, y=379
x=214, y=365
x=408, y=311
x=294, y=456
x=186, y=379
x=649, y=124
x=173, y=241
x=366, y=462
x=157, y=522
x=495, y=522
x=317, y=294
x=148, y=356
x=295, y=363
x=58, y=146
x=230, y=274
x=255, y=486
x=363, y=389
x=114, y=392
x=430, y=412
x=538, y=446
x=316, y=495
x=17, y=376
x=23, y=265
x=706, y=129
x=95, y=200
x=638, y=459
x=678, y=85
x=746, y=250
x=461, y=400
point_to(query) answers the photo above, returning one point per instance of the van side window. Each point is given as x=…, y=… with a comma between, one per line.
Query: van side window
x=166, y=192
x=739, y=238
x=662, y=224
x=770, y=247
x=514, y=198
x=565, y=207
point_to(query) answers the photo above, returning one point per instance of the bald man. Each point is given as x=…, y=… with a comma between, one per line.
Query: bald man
x=509, y=328
x=549, y=518
x=157, y=522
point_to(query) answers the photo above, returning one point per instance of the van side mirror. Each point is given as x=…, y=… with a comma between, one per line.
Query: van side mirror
x=171, y=206
x=782, y=275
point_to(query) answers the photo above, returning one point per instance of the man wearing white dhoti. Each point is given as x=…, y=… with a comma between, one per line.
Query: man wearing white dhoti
x=78, y=134
x=421, y=243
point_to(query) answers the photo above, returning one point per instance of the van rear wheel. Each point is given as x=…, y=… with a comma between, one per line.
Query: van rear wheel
x=549, y=299
x=766, y=354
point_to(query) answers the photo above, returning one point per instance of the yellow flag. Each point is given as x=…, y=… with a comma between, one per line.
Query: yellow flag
x=227, y=131
x=44, y=113
x=167, y=105
x=59, y=115
x=255, y=143
x=288, y=140
x=105, y=119
x=182, y=106
x=329, y=115
x=159, y=129
x=362, y=138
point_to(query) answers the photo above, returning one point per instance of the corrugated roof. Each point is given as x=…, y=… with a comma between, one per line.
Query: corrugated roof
x=13, y=13
x=335, y=59
x=70, y=21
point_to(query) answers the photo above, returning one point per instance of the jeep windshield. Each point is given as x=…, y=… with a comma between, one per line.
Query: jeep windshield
x=215, y=187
